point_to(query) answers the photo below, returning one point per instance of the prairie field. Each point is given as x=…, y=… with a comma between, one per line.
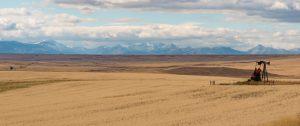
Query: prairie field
x=79, y=90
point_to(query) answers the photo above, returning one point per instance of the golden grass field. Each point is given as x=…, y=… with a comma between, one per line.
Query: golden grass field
x=131, y=93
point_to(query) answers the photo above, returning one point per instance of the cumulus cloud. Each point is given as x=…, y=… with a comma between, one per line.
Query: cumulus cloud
x=281, y=10
x=25, y=23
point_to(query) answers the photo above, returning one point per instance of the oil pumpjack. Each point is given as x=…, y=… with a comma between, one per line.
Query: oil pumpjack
x=259, y=75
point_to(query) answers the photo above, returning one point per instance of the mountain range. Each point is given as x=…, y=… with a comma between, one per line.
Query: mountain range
x=53, y=47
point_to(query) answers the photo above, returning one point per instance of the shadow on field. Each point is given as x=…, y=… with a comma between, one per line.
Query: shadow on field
x=183, y=70
x=264, y=83
x=11, y=85
x=213, y=71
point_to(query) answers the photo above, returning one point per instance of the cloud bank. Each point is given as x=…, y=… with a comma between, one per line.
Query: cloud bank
x=280, y=10
x=31, y=25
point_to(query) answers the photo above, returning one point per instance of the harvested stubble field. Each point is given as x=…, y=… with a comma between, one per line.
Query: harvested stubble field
x=60, y=90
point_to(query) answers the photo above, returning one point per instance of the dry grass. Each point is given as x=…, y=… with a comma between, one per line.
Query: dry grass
x=146, y=93
x=128, y=99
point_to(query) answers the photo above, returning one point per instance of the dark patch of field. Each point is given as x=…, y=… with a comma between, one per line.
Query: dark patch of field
x=12, y=85
x=271, y=82
x=213, y=71
x=183, y=70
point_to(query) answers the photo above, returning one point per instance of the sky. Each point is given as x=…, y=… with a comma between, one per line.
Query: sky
x=240, y=24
